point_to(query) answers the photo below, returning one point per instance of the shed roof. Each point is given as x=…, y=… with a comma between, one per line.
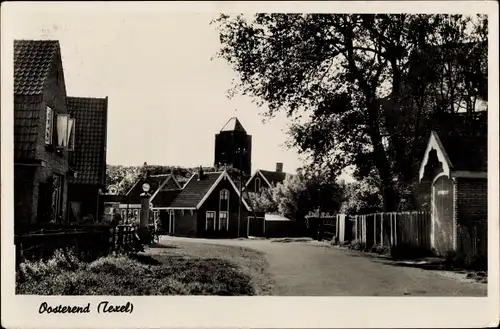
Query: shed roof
x=273, y=176
x=90, y=139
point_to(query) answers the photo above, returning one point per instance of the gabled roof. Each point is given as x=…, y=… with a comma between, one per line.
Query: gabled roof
x=156, y=183
x=458, y=153
x=270, y=177
x=233, y=125
x=196, y=190
x=90, y=139
x=32, y=63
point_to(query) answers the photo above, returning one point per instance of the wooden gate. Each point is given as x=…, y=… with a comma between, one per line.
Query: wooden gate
x=442, y=215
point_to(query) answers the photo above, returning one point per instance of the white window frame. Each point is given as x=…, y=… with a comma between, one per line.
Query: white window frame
x=206, y=218
x=227, y=220
x=257, y=189
x=49, y=126
x=224, y=193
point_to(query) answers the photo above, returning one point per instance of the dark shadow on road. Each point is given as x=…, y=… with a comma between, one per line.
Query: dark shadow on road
x=163, y=246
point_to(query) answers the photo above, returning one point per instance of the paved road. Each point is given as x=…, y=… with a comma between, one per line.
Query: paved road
x=313, y=269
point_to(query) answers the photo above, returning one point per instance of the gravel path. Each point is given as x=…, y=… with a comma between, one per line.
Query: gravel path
x=314, y=269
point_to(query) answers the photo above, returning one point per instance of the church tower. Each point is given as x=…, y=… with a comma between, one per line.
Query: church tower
x=233, y=147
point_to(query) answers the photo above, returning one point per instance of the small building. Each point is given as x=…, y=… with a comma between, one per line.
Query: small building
x=455, y=171
x=264, y=179
x=161, y=186
x=208, y=206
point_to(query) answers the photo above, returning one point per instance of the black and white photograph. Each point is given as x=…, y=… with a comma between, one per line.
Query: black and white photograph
x=193, y=151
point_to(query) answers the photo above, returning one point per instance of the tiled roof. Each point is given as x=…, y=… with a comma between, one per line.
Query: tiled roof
x=154, y=183
x=465, y=141
x=466, y=153
x=165, y=198
x=89, y=156
x=233, y=125
x=26, y=120
x=32, y=62
x=273, y=176
x=195, y=190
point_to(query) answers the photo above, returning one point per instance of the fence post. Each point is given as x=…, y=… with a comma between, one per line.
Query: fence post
x=381, y=229
x=395, y=229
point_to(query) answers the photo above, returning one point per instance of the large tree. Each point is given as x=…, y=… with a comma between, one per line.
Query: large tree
x=360, y=89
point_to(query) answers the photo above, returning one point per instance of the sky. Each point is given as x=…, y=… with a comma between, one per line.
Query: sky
x=166, y=97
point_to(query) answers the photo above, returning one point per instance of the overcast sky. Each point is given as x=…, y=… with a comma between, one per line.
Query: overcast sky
x=167, y=98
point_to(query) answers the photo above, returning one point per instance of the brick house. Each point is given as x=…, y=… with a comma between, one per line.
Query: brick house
x=88, y=158
x=41, y=167
x=263, y=179
x=44, y=135
x=455, y=170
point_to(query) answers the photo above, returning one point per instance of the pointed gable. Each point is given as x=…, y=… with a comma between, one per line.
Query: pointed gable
x=195, y=190
x=233, y=125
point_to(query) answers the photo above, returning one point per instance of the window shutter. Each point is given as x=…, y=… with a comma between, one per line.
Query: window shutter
x=71, y=134
x=49, y=126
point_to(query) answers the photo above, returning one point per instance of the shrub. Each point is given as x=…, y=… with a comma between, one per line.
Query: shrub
x=381, y=250
x=357, y=245
x=462, y=260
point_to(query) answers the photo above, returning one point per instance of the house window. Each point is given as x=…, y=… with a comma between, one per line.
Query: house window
x=257, y=184
x=210, y=220
x=224, y=200
x=49, y=127
x=223, y=220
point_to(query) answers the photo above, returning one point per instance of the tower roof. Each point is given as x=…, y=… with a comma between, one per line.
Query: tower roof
x=233, y=125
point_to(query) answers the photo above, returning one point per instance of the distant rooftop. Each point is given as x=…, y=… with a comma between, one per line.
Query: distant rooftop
x=233, y=125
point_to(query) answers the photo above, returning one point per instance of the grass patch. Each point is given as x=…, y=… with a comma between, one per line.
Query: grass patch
x=250, y=263
x=160, y=274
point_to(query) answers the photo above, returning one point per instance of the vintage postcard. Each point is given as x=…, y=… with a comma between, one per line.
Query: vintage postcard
x=250, y=164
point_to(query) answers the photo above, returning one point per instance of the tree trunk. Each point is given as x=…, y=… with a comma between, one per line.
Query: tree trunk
x=389, y=195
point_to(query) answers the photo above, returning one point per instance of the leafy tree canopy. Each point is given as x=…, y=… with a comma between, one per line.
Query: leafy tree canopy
x=362, y=90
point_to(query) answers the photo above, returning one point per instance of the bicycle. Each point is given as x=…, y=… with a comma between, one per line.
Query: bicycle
x=155, y=237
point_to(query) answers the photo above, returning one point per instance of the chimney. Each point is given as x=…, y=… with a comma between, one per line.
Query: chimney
x=146, y=170
x=279, y=166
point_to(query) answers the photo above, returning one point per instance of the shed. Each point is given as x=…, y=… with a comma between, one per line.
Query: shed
x=455, y=171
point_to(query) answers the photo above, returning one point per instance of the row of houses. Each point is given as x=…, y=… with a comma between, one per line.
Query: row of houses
x=59, y=141
x=209, y=204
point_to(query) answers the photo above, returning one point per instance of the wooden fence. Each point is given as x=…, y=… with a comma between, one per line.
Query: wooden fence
x=393, y=229
x=87, y=241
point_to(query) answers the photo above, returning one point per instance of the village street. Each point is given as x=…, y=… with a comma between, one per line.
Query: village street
x=316, y=269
